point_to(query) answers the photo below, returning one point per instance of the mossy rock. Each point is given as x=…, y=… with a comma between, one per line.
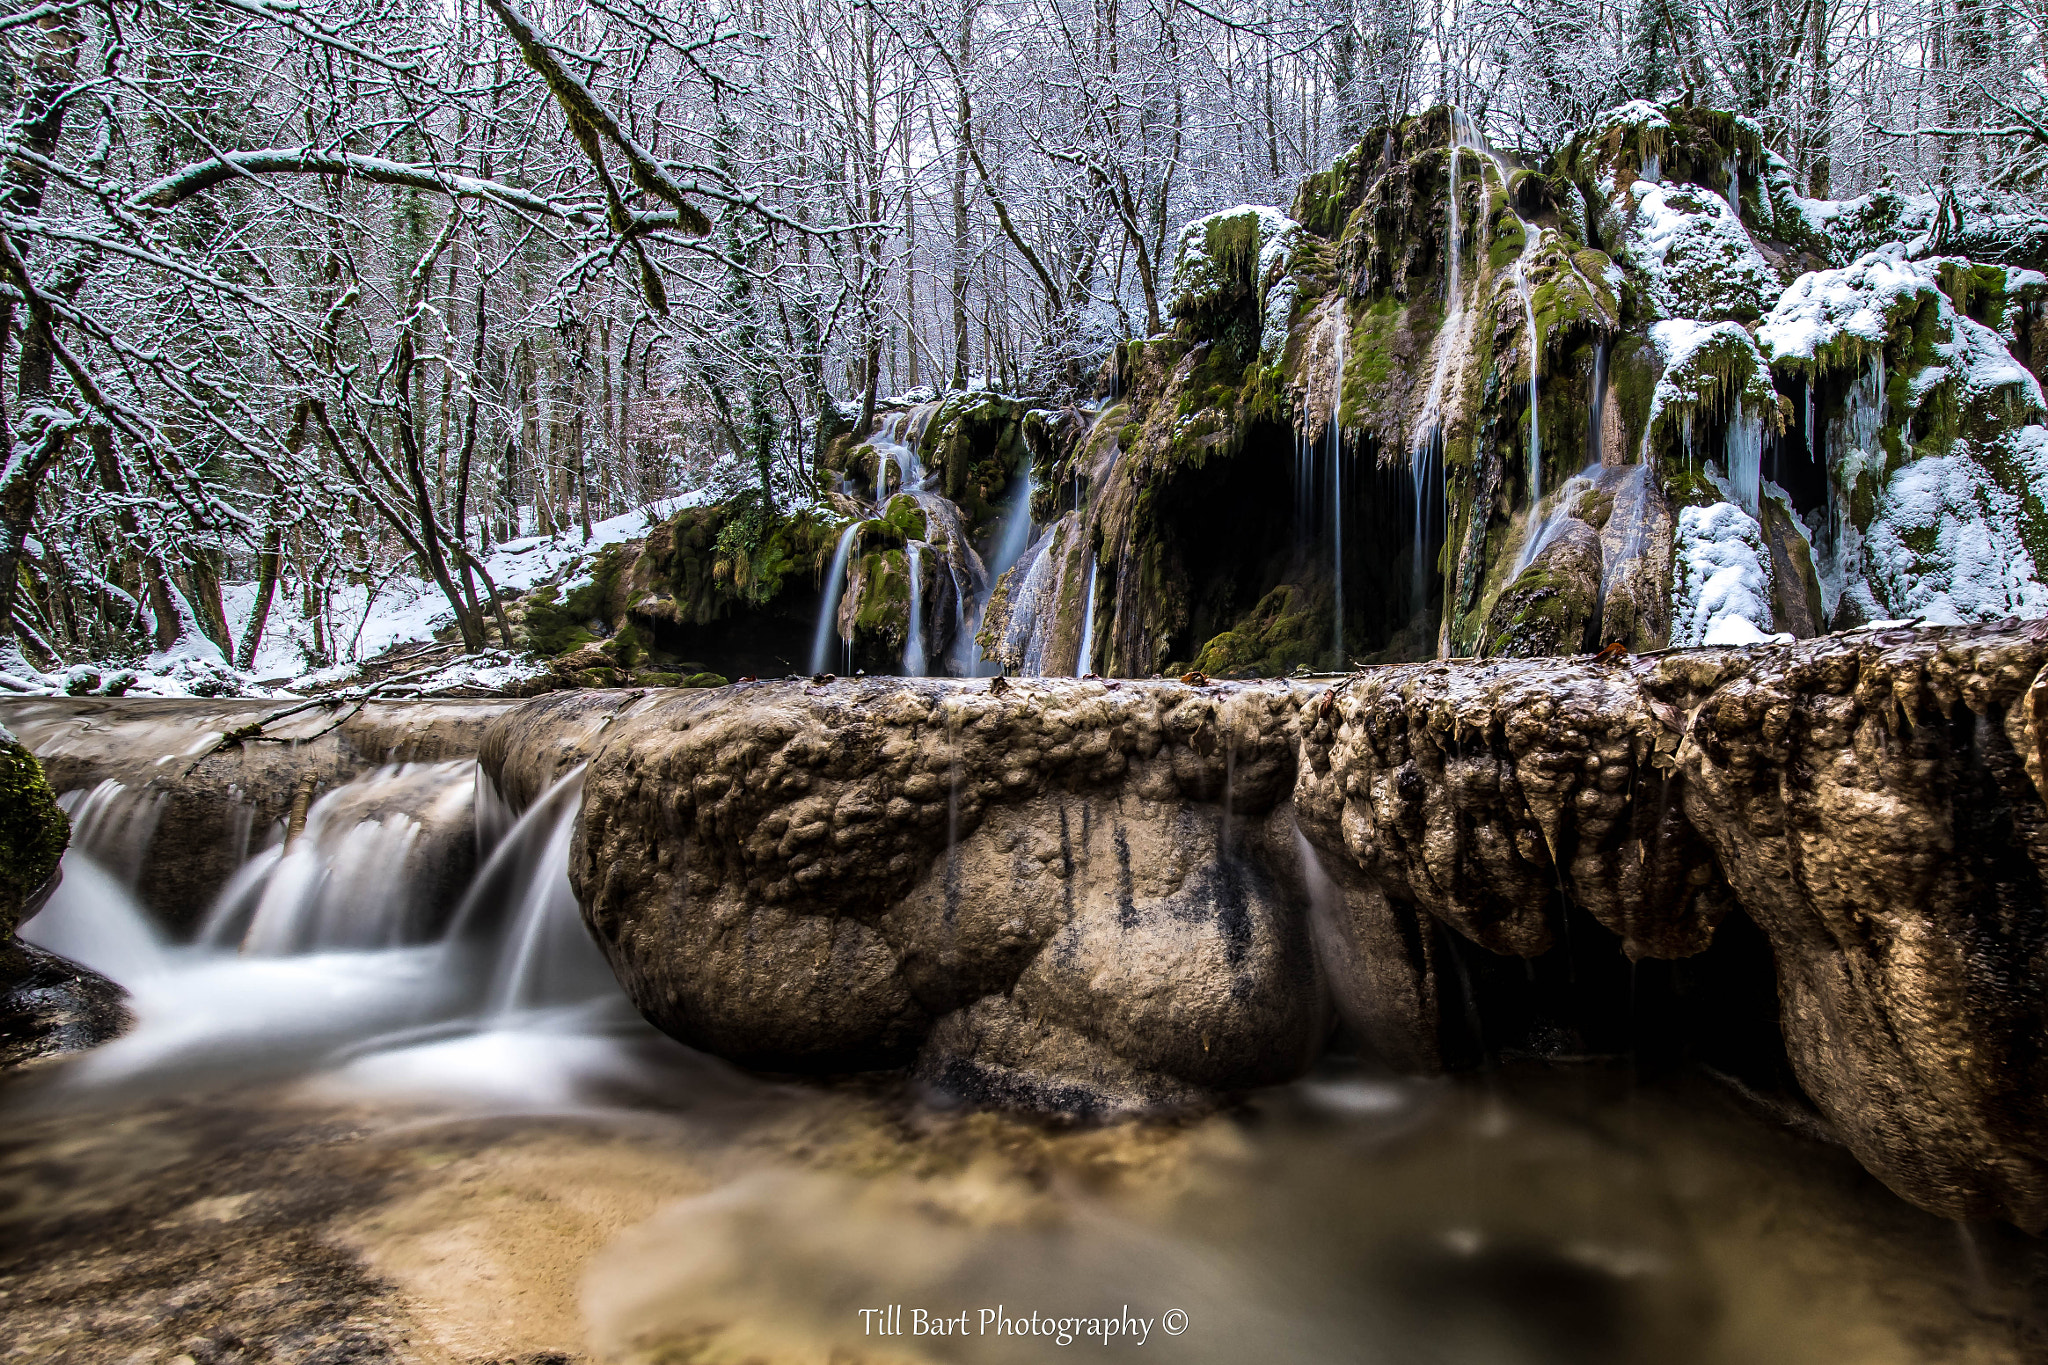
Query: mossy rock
x=658, y=679
x=1284, y=630
x=705, y=680
x=1553, y=606
x=33, y=832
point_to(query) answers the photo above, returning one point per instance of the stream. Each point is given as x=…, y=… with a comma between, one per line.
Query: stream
x=362, y=1120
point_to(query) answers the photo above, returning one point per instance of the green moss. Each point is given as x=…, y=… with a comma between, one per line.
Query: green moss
x=557, y=625
x=33, y=831
x=1283, y=631
x=644, y=678
x=705, y=680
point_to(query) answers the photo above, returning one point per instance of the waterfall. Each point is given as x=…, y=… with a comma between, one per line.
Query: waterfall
x=522, y=910
x=1596, y=417
x=114, y=824
x=913, y=640
x=1010, y=546
x=1529, y=247
x=1425, y=452
x=513, y=1003
x=1337, y=478
x=1084, y=662
x=367, y=871
x=828, y=606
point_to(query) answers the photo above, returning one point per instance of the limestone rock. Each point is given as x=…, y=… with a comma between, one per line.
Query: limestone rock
x=1872, y=800
x=1054, y=890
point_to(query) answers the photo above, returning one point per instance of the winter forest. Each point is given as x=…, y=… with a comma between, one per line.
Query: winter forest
x=300, y=299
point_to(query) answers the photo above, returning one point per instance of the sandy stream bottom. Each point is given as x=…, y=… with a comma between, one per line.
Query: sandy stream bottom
x=692, y=1214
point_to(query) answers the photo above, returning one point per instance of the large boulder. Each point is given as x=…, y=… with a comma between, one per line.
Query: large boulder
x=1873, y=801
x=1073, y=897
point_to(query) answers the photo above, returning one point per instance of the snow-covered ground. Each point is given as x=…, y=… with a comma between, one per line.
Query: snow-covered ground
x=362, y=621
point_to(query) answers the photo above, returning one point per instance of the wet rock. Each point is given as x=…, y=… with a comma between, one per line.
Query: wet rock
x=1050, y=891
x=178, y=796
x=50, y=1005
x=47, y=1004
x=1553, y=606
x=1872, y=800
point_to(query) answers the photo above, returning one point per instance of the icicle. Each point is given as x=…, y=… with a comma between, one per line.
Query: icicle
x=1744, y=458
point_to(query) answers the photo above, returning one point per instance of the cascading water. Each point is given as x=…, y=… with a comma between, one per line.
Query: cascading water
x=514, y=1002
x=1084, y=662
x=1337, y=480
x=828, y=606
x=113, y=824
x=1596, y=411
x=1426, y=452
x=1529, y=248
x=913, y=640
x=366, y=871
x=1014, y=539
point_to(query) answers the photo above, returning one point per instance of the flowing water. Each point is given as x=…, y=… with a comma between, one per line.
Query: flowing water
x=387, y=1139
x=828, y=606
x=1084, y=662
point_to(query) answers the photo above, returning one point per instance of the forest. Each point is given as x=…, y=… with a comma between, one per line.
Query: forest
x=303, y=298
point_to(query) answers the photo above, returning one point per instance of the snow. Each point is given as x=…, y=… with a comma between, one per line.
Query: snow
x=1696, y=258
x=1634, y=114
x=1686, y=347
x=1721, y=584
x=1855, y=301
x=362, y=622
x=1196, y=278
x=1945, y=542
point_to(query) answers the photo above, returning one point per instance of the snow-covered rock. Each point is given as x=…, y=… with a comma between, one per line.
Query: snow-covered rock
x=1721, y=579
x=1214, y=254
x=1694, y=256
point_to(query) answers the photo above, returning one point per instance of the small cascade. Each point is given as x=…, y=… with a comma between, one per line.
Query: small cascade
x=913, y=641
x=1084, y=662
x=522, y=911
x=1744, y=457
x=1033, y=602
x=828, y=607
x=371, y=868
x=1010, y=546
x=113, y=824
x=1561, y=505
x=92, y=918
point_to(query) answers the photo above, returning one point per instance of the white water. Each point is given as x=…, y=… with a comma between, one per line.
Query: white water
x=362, y=874
x=828, y=606
x=913, y=640
x=1084, y=661
x=1014, y=539
x=1342, y=320
x=514, y=1005
x=114, y=823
